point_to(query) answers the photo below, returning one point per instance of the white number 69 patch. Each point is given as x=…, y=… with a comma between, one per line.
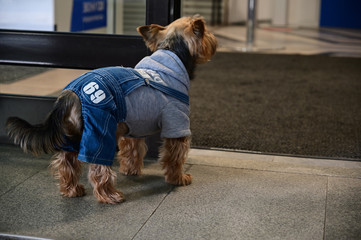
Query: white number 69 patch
x=96, y=95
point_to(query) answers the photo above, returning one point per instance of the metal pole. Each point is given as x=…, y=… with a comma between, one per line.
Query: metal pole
x=251, y=21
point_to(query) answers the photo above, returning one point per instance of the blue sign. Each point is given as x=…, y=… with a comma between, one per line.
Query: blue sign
x=88, y=14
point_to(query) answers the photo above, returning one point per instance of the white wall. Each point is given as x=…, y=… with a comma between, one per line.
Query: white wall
x=293, y=13
x=62, y=12
x=280, y=13
x=27, y=15
x=237, y=10
x=304, y=13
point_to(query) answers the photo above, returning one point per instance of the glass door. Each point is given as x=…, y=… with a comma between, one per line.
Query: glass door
x=37, y=60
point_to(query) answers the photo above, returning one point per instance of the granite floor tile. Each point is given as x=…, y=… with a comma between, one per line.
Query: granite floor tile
x=226, y=203
x=34, y=207
x=17, y=166
x=233, y=196
x=343, y=219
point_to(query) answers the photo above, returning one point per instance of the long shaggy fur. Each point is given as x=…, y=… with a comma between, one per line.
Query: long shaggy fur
x=67, y=169
x=188, y=38
x=48, y=136
x=131, y=154
x=102, y=179
x=173, y=154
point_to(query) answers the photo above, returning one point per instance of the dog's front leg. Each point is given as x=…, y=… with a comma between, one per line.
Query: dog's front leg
x=131, y=154
x=173, y=154
x=102, y=179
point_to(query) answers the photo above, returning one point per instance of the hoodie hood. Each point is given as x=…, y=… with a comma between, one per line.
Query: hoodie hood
x=169, y=66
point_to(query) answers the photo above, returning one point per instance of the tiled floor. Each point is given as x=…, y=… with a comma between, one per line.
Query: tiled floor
x=233, y=195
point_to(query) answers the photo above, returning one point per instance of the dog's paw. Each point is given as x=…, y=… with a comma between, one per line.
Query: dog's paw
x=77, y=191
x=183, y=180
x=112, y=198
x=130, y=171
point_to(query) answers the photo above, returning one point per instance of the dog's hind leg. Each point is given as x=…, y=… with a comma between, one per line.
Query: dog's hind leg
x=173, y=154
x=102, y=179
x=131, y=154
x=67, y=169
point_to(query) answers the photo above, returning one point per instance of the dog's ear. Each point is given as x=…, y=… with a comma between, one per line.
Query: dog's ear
x=209, y=46
x=199, y=27
x=151, y=35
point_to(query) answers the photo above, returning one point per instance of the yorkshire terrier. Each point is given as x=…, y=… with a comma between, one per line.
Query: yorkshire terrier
x=116, y=105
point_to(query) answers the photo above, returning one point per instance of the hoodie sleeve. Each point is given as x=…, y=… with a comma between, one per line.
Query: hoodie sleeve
x=175, y=120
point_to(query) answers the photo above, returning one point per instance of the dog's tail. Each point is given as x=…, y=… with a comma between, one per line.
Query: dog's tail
x=46, y=137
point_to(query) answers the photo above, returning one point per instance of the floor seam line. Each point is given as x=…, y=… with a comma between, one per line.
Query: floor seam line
x=15, y=186
x=146, y=221
x=161, y=202
x=325, y=218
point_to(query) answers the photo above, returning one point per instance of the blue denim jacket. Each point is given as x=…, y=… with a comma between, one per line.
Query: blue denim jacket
x=147, y=100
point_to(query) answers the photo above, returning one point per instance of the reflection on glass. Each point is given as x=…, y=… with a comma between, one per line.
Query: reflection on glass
x=36, y=81
x=81, y=16
x=86, y=16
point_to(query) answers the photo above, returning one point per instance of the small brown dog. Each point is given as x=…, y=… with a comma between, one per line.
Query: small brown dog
x=123, y=105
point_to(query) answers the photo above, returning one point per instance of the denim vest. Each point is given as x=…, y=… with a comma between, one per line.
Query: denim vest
x=102, y=93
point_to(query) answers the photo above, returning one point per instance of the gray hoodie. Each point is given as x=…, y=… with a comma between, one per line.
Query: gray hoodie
x=150, y=110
